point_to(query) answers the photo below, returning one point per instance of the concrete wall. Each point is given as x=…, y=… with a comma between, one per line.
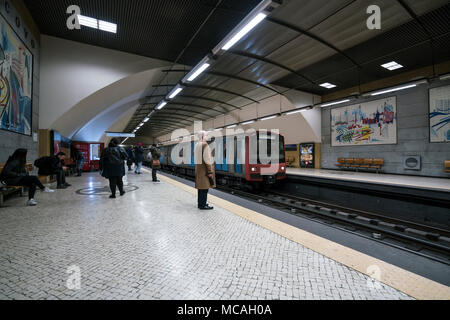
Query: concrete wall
x=413, y=137
x=72, y=71
x=10, y=141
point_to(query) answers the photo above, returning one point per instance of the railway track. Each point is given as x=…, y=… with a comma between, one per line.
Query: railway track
x=424, y=240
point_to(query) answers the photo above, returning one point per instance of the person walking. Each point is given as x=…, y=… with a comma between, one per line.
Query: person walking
x=112, y=166
x=204, y=171
x=53, y=165
x=138, y=158
x=156, y=163
x=79, y=159
x=130, y=160
x=15, y=174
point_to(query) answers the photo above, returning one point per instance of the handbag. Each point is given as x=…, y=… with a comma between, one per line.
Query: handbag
x=156, y=163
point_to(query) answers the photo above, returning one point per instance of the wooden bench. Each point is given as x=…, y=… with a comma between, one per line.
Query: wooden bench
x=447, y=166
x=360, y=163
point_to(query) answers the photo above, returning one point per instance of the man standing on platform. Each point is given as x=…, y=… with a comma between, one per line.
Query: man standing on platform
x=139, y=158
x=204, y=171
x=156, y=163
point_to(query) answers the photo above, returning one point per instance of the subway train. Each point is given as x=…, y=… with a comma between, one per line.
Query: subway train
x=250, y=168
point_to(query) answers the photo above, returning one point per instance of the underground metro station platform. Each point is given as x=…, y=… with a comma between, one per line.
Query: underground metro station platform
x=245, y=153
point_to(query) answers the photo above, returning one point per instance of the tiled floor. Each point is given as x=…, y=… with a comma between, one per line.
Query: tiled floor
x=438, y=184
x=154, y=244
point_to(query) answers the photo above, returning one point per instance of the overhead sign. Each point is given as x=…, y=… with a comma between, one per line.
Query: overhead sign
x=120, y=135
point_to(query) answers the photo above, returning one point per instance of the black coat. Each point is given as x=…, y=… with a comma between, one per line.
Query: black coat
x=12, y=173
x=139, y=155
x=48, y=165
x=112, y=162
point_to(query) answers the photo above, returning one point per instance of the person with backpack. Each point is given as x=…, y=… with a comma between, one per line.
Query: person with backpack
x=139, y=158
x=15, y=174
x=53, y=165
x=112, y=166
x=156, y=163
x=130, y=160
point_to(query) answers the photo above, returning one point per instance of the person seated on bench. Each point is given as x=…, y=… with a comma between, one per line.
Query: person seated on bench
x=15, y=174
x=53, y=165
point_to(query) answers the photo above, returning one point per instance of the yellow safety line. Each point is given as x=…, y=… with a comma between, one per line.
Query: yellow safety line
x=405, y=281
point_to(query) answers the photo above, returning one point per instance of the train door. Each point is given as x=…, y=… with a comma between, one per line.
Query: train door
x=225, y=162
x=238, y=148
x=192, y=163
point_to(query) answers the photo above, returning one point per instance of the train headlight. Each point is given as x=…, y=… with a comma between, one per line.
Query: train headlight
x=254, y=169
x=283, y=168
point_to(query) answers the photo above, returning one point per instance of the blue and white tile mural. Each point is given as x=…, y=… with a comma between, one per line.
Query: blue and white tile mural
x=16, y=82
x=440, y=114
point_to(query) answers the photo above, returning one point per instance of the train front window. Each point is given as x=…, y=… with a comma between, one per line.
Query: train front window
x=263, y=146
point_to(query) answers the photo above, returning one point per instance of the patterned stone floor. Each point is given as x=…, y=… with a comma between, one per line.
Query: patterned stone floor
x=154, y=244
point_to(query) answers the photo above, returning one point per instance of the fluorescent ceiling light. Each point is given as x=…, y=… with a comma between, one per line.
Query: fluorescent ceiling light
x=334, y=103
x=392, y=66
x=249, y=27
x=146, y=120
x=175, y=93
x=161, y=105
x=232, y=126
x=268, y=118
x=88, y=22
x=248, y=122
x=294, y=112
x=393, y=90
x=218, y=129
x=328, y=85
x=107, y=26
x=198, y=72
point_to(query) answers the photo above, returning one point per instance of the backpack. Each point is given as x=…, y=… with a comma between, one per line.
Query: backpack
x=40, y=162
x=116, y=156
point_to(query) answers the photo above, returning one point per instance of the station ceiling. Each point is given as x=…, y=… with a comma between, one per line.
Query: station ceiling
x=302, y=44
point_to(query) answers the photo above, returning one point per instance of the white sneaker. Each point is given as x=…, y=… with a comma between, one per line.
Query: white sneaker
x=32, y=203
x=48, y=190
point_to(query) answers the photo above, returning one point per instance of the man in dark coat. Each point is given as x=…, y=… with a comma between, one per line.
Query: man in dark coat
x=79, y=159
x=112, y=166
x=156, y=164
x=130, y=154
x=53, y=165
x=139, y=158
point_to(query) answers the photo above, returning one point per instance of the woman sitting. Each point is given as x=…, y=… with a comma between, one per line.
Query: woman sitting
x=15, y=174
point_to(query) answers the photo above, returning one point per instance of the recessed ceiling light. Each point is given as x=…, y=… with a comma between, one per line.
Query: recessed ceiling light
x=88, y=22
x=249, y=27
x=175, y=93
x=335, y=103
x=161, y=105
x=107, y=26
x=268, y=118
x=328, y=85
x=392, y=66
x=97, y=24
x=198, y=72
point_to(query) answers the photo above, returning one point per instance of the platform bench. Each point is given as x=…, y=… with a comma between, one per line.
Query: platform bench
x=8, y=190
x=360, y=163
